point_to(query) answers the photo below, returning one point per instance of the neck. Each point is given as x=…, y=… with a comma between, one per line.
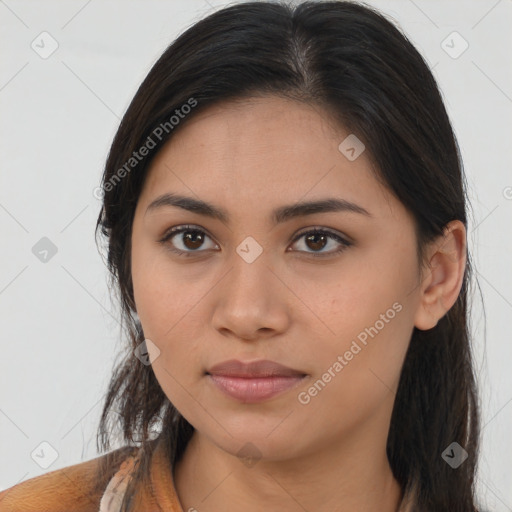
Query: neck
x=353, y=476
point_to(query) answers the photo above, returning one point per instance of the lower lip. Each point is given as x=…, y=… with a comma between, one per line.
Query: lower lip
x=253, y=390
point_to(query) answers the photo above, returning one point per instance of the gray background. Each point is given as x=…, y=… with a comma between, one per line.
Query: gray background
x=60, y=330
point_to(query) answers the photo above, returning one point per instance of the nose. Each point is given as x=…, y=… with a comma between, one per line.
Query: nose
x=251, y=302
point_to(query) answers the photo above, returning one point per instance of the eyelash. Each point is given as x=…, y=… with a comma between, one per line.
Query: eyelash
x=344, y=244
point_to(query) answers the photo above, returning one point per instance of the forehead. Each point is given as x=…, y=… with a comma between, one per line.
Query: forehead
x=250, y=152
x=269, y=121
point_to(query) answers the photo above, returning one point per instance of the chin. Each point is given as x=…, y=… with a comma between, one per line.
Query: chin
x=245, y=440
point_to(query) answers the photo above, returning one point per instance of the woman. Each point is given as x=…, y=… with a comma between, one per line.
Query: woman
x=285, y=212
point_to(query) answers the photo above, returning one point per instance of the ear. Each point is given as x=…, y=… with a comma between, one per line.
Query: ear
x=443, y=275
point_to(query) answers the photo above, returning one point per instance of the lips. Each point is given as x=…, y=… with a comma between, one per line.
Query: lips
x=262, y=368
x=255, y=381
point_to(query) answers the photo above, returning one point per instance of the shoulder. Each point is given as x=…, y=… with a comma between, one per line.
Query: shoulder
x=69, y=489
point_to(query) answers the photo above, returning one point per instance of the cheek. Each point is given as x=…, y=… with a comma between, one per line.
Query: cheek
x=162, y=295
x=358, y=375
x=168, y=318
x=368, y=321
x=169, y=307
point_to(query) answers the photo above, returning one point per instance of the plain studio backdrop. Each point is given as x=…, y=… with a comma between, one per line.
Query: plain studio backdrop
x=68, y=72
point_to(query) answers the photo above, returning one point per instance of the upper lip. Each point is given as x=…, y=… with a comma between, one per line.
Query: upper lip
x=261, y=368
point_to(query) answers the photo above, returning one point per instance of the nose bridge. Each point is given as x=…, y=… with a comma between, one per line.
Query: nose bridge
x=250, y=274
x=249, y=300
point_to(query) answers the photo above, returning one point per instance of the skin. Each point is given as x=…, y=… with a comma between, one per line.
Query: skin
x=288, y=306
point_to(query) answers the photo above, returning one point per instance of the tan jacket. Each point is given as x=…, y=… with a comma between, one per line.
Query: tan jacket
x=69, y=489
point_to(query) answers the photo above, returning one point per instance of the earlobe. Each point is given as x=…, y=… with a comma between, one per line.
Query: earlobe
x=443, y=277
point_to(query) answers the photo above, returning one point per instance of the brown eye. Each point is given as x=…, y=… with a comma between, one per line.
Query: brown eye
x=185, y=240
x=193, y=239
x=318, y=239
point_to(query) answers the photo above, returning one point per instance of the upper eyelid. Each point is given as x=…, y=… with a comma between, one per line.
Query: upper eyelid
x=182, y=228
x=320, y=229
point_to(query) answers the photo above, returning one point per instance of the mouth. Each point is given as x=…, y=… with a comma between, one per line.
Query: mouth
x=255, y=381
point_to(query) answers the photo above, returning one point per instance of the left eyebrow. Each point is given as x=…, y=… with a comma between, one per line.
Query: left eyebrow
x=278, y=216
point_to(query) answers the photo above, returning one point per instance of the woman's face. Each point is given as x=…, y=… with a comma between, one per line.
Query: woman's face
x=338, y=307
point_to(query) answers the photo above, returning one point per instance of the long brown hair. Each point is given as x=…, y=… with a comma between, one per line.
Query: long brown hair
x=350, y=59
